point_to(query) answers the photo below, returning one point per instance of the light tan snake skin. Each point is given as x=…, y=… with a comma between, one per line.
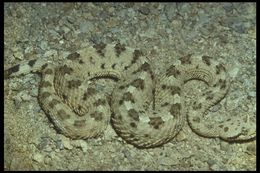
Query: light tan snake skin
x=145, y=109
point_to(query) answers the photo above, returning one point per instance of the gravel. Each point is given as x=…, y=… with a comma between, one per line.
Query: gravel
x=44, y=30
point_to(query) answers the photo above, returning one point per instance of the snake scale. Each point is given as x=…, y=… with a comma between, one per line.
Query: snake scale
x=145, y=109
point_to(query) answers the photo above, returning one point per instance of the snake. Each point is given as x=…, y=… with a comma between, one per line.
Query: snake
x=145, y=109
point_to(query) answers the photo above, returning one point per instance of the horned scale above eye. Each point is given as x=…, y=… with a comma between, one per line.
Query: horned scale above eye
x=146, y=111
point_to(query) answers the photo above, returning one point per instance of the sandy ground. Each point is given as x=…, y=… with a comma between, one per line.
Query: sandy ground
x=166, y=31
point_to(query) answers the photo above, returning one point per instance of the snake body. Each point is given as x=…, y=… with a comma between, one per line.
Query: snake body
x=146, y=110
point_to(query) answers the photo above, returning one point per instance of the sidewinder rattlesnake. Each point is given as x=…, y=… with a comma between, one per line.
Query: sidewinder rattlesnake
x=145, y=109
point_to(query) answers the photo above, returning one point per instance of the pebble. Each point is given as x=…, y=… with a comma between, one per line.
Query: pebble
x=130, y=13
x=126, y=153
x=28, y=49
x=65, y=29
x=216, y=107
x=34, y=92
x=38, y=157
x=84, y=146
x=48, y=149
x=111, y=9
x=251, y=148
x=233, y=73
x=44, y=45
x=211, y=162
x=247, y=82
x=71, y=19
x=215, y=167
x=252, y=93
x=170, y=11
x=166, y=161
x=43, y=143
x=66, y=143
x=184, y=7
x=13, y=85
x=225, y=146
x=59, y=144
x=168, y=31
x=203, y=17
x=86, y=27
x=17, y=102
x=18, y=55
x=181, y=136
x=47, y=160
x=24, y=96
x=239, y=27
x=50, y=53
x=144, y=10
x=53, y=33
x=228, y=7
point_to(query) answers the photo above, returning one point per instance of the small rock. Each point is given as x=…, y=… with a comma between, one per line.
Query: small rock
x=184, y=7
x=211, y=162
x=166, y=161
x=44, y=45
x=240, y=28
x=126, y=153
x=23, y=96
x=38, y=157
x=215, y=167
x=168, y=31
x=216, y=107
x=170, y=11
x=53, y=33
x=252, y=93
x=47, y=160
x=70, y=19
x=130, y=13
x=84, y=146
x=181, y=136
x=34, y=92
x=28, y=49
x=247, y=82
x=18, y=55
x=26, y=97
x=233, y=72
x=66, y=143
x=86, y=27
x=48, y=149
x=144, y=10
x=43, y=143
x=228, y=7
x=50, y=53
x=65, y=29
x=111, y=9
x=59, y=144
x=251, y=148
x=225, y=146
x=203, y=18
